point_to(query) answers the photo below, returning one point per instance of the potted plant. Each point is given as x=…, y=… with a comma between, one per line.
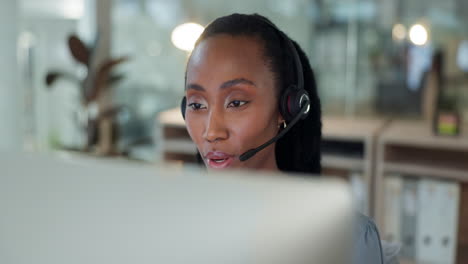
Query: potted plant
x=97, y=120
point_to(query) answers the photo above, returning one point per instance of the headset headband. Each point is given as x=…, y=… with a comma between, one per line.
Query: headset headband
x=297, y=60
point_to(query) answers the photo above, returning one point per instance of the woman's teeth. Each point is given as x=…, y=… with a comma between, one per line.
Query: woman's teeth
x=220, y=161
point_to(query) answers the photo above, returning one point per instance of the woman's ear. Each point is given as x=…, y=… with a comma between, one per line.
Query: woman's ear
x=281, y=122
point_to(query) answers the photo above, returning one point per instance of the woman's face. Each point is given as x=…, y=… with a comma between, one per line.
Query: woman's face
x=231, y=102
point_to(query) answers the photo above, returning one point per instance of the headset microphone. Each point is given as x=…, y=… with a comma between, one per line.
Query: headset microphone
x=250, y=153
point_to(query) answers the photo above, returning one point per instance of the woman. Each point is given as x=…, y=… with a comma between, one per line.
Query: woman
x=238, y=96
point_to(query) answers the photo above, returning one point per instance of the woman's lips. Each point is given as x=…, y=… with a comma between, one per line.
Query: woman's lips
x=218, y=160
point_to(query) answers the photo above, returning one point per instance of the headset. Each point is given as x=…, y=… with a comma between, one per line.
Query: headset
x=294, y=102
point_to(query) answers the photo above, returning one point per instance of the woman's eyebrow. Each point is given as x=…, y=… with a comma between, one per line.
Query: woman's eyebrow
x=235, y=82
x=226, y=84
x=195, y=86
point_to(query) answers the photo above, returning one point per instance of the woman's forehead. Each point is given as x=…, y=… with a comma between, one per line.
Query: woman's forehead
x=224, y=53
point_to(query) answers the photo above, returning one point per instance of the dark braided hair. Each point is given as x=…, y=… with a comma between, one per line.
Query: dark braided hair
x=299, y=149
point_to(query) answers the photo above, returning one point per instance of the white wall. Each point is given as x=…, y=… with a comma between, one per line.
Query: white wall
x=52, y=119
x=10, y=94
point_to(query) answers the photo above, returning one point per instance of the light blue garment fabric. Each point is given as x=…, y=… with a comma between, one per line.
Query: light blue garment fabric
x=391, y=251
x=367, y=246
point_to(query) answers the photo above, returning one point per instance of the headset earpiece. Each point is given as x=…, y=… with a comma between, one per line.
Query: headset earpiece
x=291, y=102
x=183, y=106
x=284, y=104
x=294, y=97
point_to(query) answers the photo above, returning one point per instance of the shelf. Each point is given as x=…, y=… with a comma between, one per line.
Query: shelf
x=429, y=157
x=341, y=162
x=410, y=148
x=348, y=144
x=350, y=129
x=172, y=117
x=426, y=171
x=183, y=146
x=419, y=134
x=188, y=147
x=343, y=148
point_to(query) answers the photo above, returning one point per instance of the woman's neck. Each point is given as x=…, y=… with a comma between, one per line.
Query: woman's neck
x=269, y=163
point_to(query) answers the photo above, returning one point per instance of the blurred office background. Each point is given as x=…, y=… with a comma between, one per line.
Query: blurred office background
x=383, y=67
x=362, y=51
x=366, y=59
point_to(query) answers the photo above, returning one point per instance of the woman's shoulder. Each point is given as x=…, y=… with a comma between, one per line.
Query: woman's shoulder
x=367, y=244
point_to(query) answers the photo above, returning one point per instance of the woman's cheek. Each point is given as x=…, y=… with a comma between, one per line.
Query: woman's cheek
x=194, y=128
x=246, y=130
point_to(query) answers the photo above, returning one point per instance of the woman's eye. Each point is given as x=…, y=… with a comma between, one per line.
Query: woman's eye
x=237, y=103
x=196, y=106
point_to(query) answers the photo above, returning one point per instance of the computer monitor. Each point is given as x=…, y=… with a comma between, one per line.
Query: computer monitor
x=82, y=211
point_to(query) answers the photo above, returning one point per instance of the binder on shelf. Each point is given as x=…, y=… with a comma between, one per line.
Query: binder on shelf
x=437, y=221
x=409, y=213
x=359, y=192
x=462, y=245
x=447, y=226
x=393, y=187
x=426, y=239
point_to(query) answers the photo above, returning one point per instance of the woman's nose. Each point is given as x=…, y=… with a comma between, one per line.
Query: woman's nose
x=215, y=129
